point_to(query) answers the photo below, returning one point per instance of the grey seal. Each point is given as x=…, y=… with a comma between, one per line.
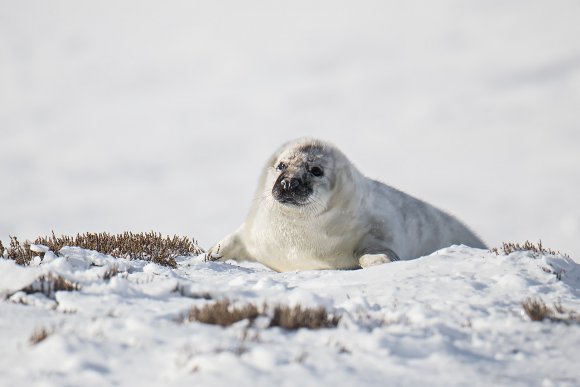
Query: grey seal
x=314, y=210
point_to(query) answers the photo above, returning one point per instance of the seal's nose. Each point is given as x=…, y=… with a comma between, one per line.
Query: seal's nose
x=289, y=184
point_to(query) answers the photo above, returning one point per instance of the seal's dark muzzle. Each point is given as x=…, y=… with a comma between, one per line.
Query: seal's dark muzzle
x=291, y=189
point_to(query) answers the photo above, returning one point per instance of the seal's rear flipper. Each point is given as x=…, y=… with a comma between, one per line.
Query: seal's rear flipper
x=388, y=256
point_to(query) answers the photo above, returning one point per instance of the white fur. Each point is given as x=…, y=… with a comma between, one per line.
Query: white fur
x=349, y=222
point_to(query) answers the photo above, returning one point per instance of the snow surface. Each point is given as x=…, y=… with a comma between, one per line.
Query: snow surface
x=451, y=318
x=143, y=115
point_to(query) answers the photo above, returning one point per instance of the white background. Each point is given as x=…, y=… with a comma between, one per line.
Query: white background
x=146, y=115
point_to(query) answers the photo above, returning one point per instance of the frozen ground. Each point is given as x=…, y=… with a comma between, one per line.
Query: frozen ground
x=452, y=318
x=145, y=115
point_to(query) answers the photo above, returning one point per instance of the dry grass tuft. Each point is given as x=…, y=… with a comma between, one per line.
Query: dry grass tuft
x=50, y=284
x=537, y=310
x=39, y=335
x=222, y=313
x=508, y=248
x=148, y=246
x=293, y=318
x=21, y=254
x=110, y=273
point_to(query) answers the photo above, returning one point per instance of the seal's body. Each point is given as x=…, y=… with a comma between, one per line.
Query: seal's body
x=314, y=210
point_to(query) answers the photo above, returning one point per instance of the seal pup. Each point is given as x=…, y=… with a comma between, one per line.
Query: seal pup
x=314, y=210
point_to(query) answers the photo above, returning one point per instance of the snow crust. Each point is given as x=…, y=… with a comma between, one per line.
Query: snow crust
x=450, y=318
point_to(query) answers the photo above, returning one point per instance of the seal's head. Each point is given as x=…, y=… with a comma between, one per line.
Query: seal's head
x=301, y=175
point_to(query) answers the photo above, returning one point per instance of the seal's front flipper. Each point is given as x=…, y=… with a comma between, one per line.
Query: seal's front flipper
x=231, y=247
x=214, y=253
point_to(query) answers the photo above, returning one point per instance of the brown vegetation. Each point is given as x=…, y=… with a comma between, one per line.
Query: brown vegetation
x=291, y=318
x=39, y=335
x=50, y=284
x=110, y=273
x=149, y=246
x=508, y=248
x=222, y=313
x=537, y=310
x=21, y=254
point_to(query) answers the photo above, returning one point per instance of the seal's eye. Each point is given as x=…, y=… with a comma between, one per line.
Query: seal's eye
x=281, y=167
x=317, y=171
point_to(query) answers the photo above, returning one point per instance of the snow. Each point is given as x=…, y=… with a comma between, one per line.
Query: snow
x=451, y=318
x=14, y=277
x=142, y=115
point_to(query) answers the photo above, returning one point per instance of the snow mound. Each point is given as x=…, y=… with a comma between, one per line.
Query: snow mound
x=454, y=317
